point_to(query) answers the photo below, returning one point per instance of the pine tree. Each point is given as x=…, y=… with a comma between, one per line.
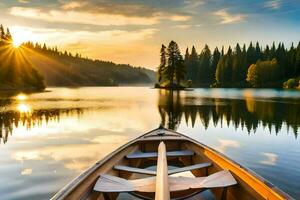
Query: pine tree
x=187, y=55
x=236, y=65
x=214, y=63
x=266, y=53
x=251, y=55
x=8, y=35
x=258, y=54
x=220, y=70
x=193, y=65
x=175, y=63
x=297, y=61
x=162, y=65
x=204, y=67
x=2, y=32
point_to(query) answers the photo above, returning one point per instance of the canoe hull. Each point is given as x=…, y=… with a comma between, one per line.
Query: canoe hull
x=250, y=185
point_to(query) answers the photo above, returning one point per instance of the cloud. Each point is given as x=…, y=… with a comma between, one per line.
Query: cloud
x=90, y=18
x=187, y=26
x=26, y=172
x=24, y=1
x=27, y=155
x=270, y=159
x=192, y=5
x=81, y=17
x=72, y=5
x=225, y=144
x=228, y=18
x=62, y=36
x=274, y=4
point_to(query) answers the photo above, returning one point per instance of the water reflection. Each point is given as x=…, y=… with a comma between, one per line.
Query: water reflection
x=28, y=118
x=247, y=113
x=51, y=137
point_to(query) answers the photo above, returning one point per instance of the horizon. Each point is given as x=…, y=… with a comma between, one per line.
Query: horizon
x=132, y=32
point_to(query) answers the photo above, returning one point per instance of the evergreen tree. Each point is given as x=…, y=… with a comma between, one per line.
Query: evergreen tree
x=297, y=61
x=236, y=65
x=163, y=63
x=193, y=65
x=2, y=32
x=251, y=55
x=8, y=35
x=187, y=55
x=214, y=63
x=228, y=66
x=174, y=64
x=258, y=54
x=220, y=70
x=204, y=67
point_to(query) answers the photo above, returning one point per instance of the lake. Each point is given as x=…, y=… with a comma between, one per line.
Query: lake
x=47, y=139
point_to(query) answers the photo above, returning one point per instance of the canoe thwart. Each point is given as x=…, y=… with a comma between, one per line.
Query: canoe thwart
x=172, y=171
x=134, y=170
x=154, y=154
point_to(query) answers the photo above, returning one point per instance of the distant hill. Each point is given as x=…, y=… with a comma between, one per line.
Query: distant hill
x=16, y=72
x=64, y=69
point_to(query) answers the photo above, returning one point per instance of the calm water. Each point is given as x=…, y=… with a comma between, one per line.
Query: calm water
x=47, y=139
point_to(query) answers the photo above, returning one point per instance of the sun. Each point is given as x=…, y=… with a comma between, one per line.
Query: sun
x=16, y=43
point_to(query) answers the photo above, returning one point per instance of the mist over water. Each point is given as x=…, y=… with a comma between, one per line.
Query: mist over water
x=49, y=138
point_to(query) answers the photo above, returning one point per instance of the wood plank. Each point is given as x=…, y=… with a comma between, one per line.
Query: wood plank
x=189, y=168
x=162, y=185
x=162, y=180
x=172, y=171
x=134, y=170
x=154, y=154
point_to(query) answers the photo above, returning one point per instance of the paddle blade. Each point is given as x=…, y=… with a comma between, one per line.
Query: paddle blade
x=219, y=179
x=107, y=183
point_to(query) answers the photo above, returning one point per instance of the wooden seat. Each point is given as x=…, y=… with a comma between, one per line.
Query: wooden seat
x=107, y=183
x=154, y=154
x=172, y=171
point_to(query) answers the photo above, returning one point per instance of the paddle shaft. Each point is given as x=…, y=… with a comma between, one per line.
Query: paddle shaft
x=162, y=181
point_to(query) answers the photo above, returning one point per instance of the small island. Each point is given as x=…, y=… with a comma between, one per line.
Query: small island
x=241, y=67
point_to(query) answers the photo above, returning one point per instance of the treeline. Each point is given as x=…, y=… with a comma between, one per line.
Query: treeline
x=32, y=66
x=62, y=68
x=252, y=66
x=16, y=71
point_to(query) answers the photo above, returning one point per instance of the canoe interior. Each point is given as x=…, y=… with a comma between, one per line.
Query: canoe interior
x=248, y=187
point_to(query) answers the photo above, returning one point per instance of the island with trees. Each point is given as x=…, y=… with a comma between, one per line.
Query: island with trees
x=271, y=67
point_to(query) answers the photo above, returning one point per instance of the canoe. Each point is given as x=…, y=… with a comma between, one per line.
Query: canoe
x=163, y=164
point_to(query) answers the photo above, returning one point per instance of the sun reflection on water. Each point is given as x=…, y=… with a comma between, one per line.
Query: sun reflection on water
x=21, y=97
x=23, y=108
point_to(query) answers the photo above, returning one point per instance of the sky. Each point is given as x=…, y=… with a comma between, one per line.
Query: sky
x=132, y=31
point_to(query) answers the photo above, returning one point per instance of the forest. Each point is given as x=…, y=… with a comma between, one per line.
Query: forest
x=16, y=71
x=34, y=66
x=273, y=66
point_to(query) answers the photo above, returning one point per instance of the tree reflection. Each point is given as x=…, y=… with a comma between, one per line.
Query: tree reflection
x=170, y=108
x=13, y=119
x=248, y=113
